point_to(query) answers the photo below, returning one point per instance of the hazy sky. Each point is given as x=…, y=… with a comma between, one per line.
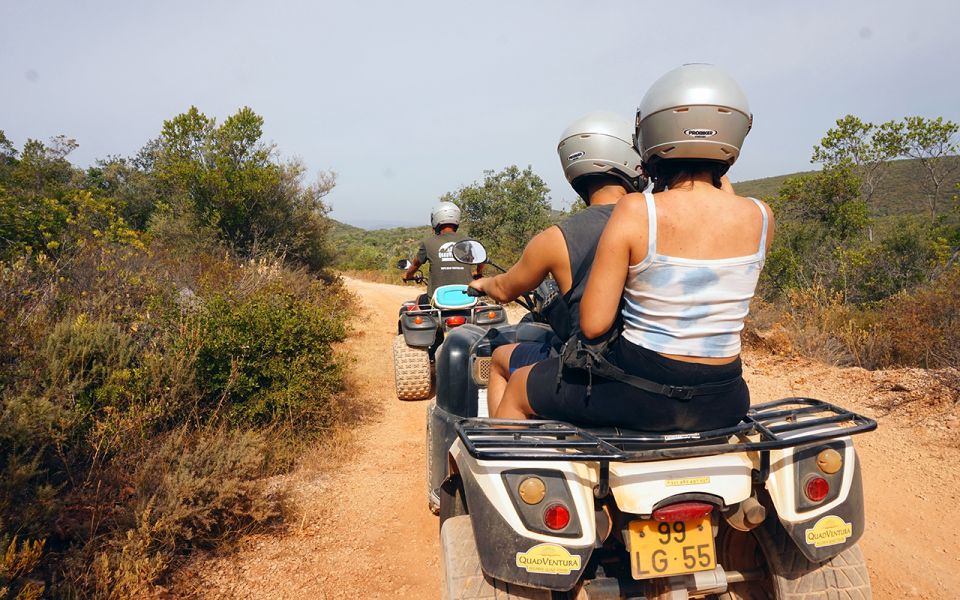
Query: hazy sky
x=407, y=100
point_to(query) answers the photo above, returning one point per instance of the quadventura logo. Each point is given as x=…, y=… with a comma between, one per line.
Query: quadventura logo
x=687, y=481
x=828, y=531
x=548, y=558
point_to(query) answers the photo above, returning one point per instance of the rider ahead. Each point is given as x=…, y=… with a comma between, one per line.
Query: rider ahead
x=438, y=251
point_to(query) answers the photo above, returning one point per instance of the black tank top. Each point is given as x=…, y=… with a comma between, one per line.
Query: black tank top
x=582, y=234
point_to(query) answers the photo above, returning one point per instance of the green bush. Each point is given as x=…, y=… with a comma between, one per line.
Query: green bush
x=268, y=356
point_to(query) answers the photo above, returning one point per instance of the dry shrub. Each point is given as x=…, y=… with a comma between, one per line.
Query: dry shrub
x=16, y=564
x=819, y=326
x=918, y=328
x=117, y=445
x=193, y=490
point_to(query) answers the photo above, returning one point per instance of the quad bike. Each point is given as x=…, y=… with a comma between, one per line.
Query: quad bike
x=769, y=508
x=421, y=326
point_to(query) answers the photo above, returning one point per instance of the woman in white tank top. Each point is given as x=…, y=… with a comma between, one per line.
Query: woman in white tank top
x=678, y=266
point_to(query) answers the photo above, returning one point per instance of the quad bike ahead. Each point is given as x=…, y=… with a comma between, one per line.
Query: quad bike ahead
x=421, y=326
x=769, y=508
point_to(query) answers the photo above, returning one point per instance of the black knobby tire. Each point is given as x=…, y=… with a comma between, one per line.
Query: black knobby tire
x=788, y=574
x=460, y=572
x=453, y=503
x=412, y=372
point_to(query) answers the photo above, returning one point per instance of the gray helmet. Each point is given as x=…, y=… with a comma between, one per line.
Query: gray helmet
x=695, y=112
x=600, y=143
x=445, y=213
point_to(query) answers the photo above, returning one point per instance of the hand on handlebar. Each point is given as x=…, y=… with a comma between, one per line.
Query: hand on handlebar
x=475, y=288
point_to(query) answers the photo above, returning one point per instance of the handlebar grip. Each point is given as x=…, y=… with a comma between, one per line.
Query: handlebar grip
x=475, y=293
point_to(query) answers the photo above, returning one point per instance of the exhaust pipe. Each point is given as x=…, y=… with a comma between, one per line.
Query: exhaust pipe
x=748, y=515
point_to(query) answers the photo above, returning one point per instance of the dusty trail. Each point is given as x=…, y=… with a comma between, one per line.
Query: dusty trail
x=365, y=531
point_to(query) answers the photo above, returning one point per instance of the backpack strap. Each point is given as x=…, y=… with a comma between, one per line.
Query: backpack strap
x=578, y=355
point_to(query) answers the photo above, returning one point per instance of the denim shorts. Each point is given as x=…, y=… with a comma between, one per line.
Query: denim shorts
x=529, y=353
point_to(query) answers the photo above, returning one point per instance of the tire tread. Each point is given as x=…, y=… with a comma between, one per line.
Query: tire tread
x=411, y=371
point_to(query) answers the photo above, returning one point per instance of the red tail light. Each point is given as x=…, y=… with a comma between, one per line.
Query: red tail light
x=683, y=511
x=418, y=320
x=454, y=321
x=556, y=516
x=817, y=489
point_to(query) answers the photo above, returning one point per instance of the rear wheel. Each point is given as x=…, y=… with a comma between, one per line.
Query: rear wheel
x=784, y=572
x=412, y=373
x=460, y=568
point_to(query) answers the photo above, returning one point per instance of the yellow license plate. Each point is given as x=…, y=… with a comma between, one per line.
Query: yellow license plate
x=660, y=549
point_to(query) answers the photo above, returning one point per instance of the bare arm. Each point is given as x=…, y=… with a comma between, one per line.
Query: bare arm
x=414, y=265
x=537, y=261
x=626, y=230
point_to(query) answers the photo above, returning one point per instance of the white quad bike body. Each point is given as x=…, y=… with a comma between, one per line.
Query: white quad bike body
x=767, y=538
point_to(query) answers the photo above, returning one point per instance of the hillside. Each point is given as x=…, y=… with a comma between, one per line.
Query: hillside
x=375, y=249
x=898, y=193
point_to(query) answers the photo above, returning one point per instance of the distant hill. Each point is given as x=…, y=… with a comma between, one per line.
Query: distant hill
x=363, y=249
x=899, y=192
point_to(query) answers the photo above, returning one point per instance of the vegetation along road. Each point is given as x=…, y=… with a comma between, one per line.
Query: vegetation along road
x=365, y=530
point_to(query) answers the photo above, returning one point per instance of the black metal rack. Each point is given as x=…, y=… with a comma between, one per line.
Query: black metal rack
x=769, y=426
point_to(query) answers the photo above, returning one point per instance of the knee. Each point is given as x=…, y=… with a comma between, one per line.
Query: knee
x=501, y=359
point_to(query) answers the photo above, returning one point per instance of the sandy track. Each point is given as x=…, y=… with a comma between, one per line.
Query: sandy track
x=365, y=531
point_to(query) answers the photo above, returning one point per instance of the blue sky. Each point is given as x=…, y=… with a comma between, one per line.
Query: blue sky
x=408, y=100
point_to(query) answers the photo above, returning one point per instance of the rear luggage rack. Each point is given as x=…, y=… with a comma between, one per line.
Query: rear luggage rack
x=769, y=426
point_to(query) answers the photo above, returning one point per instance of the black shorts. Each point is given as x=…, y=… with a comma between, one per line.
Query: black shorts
x=617, y=404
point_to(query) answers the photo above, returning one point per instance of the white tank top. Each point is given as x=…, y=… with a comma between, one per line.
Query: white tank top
x=686, y=306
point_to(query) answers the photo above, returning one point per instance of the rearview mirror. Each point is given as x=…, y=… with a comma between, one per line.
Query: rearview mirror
x=404, y=264
x=470, y=252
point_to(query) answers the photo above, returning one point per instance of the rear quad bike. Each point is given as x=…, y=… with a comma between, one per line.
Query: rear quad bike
x=421, y=326
x=769, y=508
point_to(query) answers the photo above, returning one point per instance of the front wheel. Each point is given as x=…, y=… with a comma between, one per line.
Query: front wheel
x=781, y=572
x=460, y=570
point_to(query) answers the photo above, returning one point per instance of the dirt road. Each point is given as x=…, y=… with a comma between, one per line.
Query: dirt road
x=364, y=530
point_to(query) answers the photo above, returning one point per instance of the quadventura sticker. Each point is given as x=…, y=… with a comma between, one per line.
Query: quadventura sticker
x=687, y=481
x=828, y=531
x=548, y=558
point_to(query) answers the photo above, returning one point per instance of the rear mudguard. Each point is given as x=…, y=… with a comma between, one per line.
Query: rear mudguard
x=508, y=547
x=422, y=334
x=823, y=530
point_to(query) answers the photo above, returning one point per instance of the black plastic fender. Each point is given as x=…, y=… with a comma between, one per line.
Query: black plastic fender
x=456, y=390
x=849, y=513
x=500, y=546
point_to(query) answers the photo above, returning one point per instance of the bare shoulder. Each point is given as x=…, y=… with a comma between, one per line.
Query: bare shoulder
x=547, y=239
x=632, y=207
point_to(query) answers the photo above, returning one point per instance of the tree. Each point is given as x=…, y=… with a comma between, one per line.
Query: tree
x=504, y=211
x=234, y=185
x=830, y=197
x=866, y=147
x=931, y=141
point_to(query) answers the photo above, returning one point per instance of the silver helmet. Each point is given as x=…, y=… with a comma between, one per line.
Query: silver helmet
x=696, y=111
x=600, y=143
x=445, y=213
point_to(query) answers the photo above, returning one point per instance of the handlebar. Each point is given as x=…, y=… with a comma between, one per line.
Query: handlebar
x=473, y=292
